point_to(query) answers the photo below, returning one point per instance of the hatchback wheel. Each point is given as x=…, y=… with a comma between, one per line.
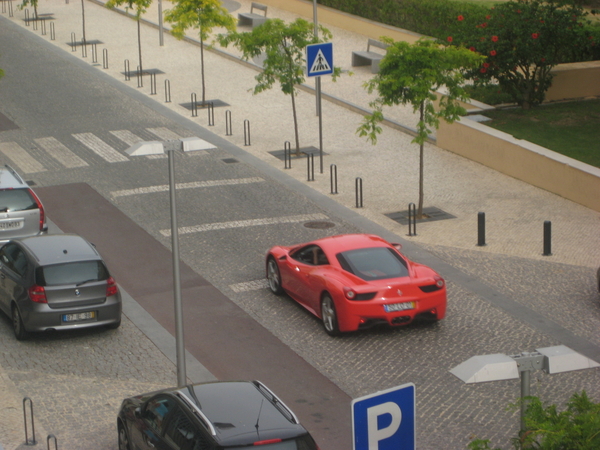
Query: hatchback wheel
x=273, y=276
x=18, y=326
x=123, y=438
x=329, y=316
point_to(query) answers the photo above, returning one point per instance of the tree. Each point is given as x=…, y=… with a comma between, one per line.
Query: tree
x=410, y=74
x=578, y=427
x=284, y=46
x=203, y=15
x=140, y=8
x=523, y=40
x=33, y=3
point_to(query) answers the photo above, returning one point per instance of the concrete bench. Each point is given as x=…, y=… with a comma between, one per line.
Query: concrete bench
x=253, y=19
x=360, y=58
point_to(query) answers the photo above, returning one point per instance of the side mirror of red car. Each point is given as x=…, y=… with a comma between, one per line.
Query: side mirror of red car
x=397, y=246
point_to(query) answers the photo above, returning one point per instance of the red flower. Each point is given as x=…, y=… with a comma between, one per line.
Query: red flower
x=449, y=39
x=486, y=65
x=543, y=60
x=472, y=49
x=482, y=39
x=518, y=11
x=460, y=18
x=535, y=35
x=488, y=17
x=483, y=25
x=541, y=21
x=493, y=53
x=483, y=70
x=494, y=38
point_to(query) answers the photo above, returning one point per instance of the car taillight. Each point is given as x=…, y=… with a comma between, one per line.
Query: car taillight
x=111, y=287
x=439, y=282
x=41, y=208
x=267, y=441
x=37, y=294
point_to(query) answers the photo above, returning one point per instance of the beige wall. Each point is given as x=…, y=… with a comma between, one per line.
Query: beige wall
x=575, y=80
x=523, y=160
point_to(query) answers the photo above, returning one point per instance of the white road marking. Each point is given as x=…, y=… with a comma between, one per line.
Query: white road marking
x=100, y=147
x=19, y=156
x=60, y=152
x=164, y=133
x=246, y=223
x=127, y=136
x=192, y=185
x=255, y=285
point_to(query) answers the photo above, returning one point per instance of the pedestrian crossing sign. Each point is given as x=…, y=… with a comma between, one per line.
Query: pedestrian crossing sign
x=319, y=59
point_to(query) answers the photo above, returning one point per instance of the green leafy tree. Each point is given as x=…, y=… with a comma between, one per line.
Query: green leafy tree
x=522, y=41
x=140, y=6
x=409, y=74
x=283, y=46
x=33, y=4
x=576, y=428
x=203, y=15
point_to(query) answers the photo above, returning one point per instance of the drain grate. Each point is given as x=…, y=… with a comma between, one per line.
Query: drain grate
x=431, y=215
x=229, y=160
x=319, y=224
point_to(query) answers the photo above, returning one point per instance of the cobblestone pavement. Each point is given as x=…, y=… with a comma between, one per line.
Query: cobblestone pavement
x=99, y=368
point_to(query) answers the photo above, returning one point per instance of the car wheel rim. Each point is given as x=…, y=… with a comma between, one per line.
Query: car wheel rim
x=273, y=276
x=123, y=443
x=328, y=314
x=16, y=321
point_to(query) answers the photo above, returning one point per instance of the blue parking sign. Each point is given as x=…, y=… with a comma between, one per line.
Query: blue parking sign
x=385, y=420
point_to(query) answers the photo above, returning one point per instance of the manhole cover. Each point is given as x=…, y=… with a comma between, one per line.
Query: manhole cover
x=320, y=225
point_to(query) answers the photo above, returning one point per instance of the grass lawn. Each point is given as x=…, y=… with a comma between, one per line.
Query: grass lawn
x=572, y=129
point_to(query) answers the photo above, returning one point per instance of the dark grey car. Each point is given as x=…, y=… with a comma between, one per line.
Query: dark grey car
x=56, y=282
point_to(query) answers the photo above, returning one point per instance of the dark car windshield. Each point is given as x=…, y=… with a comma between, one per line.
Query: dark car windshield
x=71, y=273
x=16, y=200
x=377, y=263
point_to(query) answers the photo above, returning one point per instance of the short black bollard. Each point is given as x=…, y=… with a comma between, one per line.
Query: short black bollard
x=152, y=83
x=310, y=166
x=412, y=219
x=53, y=438
x=480, y=229
x=547, y=238
x=287, y=155
x=333, y=178
x=211, y=113
x=126, y=70
x=358, y=187
x=167, y=91
x=194, y=105
x=246, y=132
x=105, y=58
x=28, y=401
x=228, y=131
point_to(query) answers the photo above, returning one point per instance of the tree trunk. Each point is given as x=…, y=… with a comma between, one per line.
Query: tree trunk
x=83, y=41
x=420, y=208
x=140, y=46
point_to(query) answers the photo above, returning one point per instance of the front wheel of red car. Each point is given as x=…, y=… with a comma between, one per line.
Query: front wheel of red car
x=273, y=276
x=329, y=316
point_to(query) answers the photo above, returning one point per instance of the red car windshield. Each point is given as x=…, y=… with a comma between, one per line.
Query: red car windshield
x=377, y=263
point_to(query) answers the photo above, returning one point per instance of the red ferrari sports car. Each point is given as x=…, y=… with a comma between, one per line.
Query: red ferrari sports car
x=356, y=281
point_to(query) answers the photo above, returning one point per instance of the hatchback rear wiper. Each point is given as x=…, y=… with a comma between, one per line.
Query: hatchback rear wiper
x=86, y=281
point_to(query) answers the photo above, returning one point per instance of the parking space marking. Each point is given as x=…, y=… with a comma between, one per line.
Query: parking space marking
x=99, y=147
x=254, y=285
x=164, y=133
x=246, y=223
x=60, y=152
x=192, y=185
x=19, y=156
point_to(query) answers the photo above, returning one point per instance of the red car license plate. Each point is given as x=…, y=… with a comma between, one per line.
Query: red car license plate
x=399, y=306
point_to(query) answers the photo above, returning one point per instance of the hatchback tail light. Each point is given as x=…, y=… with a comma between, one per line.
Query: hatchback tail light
x=267, y=441
x=37, y=294
x=111, y=287
x=41, y=208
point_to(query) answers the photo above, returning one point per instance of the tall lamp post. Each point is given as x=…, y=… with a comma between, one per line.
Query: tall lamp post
x=170, y=147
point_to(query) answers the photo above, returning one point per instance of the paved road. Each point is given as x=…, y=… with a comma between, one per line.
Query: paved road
x=498, y=303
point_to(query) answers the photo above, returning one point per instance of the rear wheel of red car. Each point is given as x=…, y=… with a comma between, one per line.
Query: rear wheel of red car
x=18, y=326
x=329, y=316
x=273, y=276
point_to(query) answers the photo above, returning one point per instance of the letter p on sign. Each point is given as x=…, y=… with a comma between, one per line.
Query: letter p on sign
x=385, y=420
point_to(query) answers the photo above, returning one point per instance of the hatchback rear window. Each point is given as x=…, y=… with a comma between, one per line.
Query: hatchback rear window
x=16, y=200
x=71, y=273
x=377, y=263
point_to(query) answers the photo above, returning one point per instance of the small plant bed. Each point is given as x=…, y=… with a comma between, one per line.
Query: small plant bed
x=569, y=128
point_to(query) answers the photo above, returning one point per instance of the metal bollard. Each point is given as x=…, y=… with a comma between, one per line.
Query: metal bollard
x=105, y=58
x=26, y=401
x=228, y=131
x=480, y=229
x=287, y=155
x=547, y=238
x=310, y=166
x=51, y=437
x=246, y=132
x=83, y=48
x=140, y=78
x=73, y=42
x=126, y=70
x=27, y=17
x=152, y=83
x=52, y=32
x=412, y=219
x=211, y=113
x=358, y=187
x=167, y=91
x=94, y=53
x=194, y=105
x=333, y=178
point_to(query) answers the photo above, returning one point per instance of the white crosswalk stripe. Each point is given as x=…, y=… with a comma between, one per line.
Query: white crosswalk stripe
x=192, y=185
x=246, y=223
x=19, y=156
x=100, y=147
x=127, y=136
x=254, y=285
x=60, y=152
x=164, y=133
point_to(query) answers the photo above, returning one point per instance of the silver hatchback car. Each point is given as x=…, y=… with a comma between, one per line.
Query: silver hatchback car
x=21, y=211
x=56, y=282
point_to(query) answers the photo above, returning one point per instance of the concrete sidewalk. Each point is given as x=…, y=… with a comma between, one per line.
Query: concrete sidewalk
x=515, y=211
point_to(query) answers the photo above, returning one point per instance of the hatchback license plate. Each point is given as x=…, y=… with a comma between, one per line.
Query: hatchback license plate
x=11, y=225
x=399, y=306
x=79, y=316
